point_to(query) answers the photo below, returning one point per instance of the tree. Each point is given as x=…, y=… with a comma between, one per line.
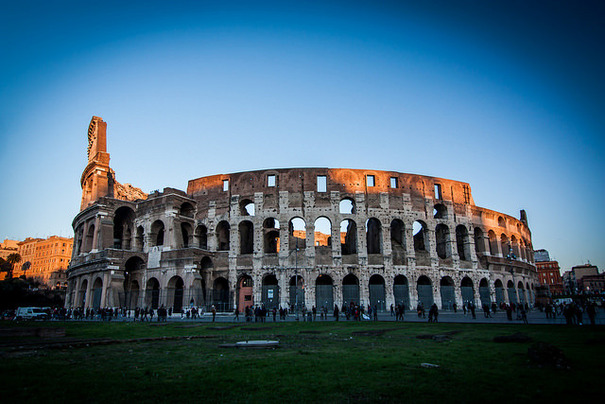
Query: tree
x=5, y=266
x=26, y=266
x=12, y=259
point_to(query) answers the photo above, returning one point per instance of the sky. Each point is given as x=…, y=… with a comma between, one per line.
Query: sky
x=504, y=95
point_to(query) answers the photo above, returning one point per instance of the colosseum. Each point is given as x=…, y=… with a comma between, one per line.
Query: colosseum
x=291, y=237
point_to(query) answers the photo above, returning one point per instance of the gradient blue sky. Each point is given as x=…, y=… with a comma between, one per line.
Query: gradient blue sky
x=505, y=95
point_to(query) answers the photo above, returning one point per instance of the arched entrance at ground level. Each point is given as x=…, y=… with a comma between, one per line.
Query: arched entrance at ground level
x=324, y=292
x=82, y=298
x=130, y=298
x=377, y=293
x=152, y=295
x=350, y=290
x=401, y=291
x=512, y=294
x=97, y=291
x=499, y=289
x=425, y=292
x=521, y=292
x=175, y=294
x=270, y=292
x=245, y=298
x=486, y=300
x=197, y=293
x=220, y=294
x=467, y=290
x=448, y=295
x=297, y=292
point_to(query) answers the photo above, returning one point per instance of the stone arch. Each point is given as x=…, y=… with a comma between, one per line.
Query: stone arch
x=220, y=294
x=132, y=267
x=123, y=228
x=347, y=206
x=401, y=291
x=374, y=236
x=323, y=232
x=90, y=236
x=175, y=291
x=479, y=243
x=97, y=293
x=246, y=207
x=499, y=291
x=350, y=290
x=297, y=232
x=270, y=292
x=245, y=292
x=521, y=293
x=297, y=292
x=448, y=293
x=246, y=237
x=467, y=290
x=424, y=287
x=186, y=235
x=324, y=292
x=223, y=232
x=442, y=238
x=462, y=243
x=501, y=221
x=440, y=211
x=82, y=294
x=377, y=292
x=206, y=264
x=186, y=209
x=348, y=237
x=514, y=248
x=271, y=236
x=140, y=239
x=201, y=237
x=153, y=293
x=398, y=241
x=505, y=246
x=421, y=236
x=512, y=293
x=493, y=243
x=484, y=294
x=157, y=233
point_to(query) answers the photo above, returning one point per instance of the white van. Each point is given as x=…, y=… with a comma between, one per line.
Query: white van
x=31, y=313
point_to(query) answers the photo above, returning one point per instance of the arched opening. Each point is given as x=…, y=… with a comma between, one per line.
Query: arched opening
x=442, y=238
x=246, y=207
x=297, y=232
x=514, y=248
x=222, y=235
x=186, y=210
x=440, y=211
x=467, y=290
x=401, y=291
x=499, y=289
x=398, y=242
x=484, y=294
x=374, y=236
x=324, y=292
x=245, y=293
x=123, y=224
x=512, y=293
x=186, y=234
x=521, y=292
x=350, y=290
x=140, y=239
x=270, y=292
x=271, y=236
x=157, y=233
x=493, y=243
x=297, y=292
x=132, y=267
x=97, y=292
x=175, y=293
x=479, y=244
x=424, y=288
x=348, y=237
x=201, y=237
x=448, y=295
x=220, y=294
x=505, y=246
x=347, y=206
x=462, y=243
x=153, y=293
x=420, y=233
x=90, y=236
x=323, y=241
x=82, y=294
x=377, y=292
x=501, y=221
x=246, y=237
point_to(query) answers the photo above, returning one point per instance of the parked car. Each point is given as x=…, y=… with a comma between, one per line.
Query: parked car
x=31, y=313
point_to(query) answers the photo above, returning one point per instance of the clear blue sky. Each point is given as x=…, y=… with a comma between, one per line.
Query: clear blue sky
x=505, y=95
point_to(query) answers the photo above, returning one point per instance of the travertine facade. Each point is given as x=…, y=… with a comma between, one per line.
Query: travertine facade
x=313, y=236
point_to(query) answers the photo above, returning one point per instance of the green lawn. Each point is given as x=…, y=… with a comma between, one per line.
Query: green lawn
x=317, y=362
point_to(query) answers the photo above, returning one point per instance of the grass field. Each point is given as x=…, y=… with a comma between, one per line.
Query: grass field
x=316, y=362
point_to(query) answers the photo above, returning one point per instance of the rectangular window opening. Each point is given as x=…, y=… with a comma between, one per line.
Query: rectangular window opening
x=370, y=182
x=394, y=182
x=270, y=180
x=225, y=185
x=322, y=185
x=438, y=191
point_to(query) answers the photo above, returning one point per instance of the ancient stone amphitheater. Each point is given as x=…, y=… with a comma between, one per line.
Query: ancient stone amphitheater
x=292, y=237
